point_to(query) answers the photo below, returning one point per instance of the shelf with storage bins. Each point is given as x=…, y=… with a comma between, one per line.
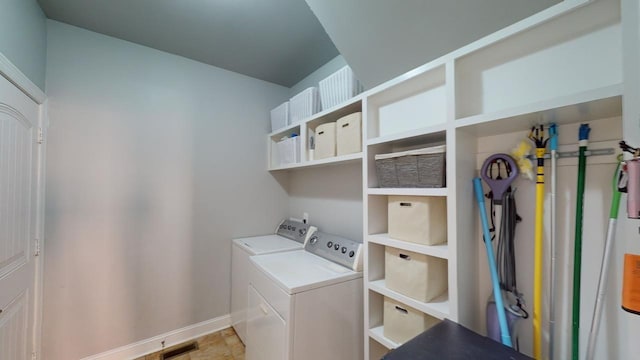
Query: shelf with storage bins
x=304, y=129
x=388, y=133
x=440, y=250
x=382, y=269
x=281, y=154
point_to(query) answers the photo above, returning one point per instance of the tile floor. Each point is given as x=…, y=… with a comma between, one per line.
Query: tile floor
x=222, y=345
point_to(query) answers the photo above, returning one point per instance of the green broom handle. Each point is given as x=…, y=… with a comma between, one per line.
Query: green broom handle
x=577, y=259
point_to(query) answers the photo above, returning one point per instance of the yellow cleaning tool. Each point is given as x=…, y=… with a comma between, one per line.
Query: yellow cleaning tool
x=520, y=153
x=537, y=136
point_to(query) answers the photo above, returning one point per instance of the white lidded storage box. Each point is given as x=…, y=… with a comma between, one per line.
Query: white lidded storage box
x=325, y=141
x=289, y=150
x=418, y=219
x=402, y=323
x=417, y=276
x=339, y=87
x=349, y=134
x=280, y=116
x=304, y=104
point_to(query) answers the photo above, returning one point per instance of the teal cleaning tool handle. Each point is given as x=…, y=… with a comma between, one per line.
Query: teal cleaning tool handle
x=553, y=136
x=495, y=282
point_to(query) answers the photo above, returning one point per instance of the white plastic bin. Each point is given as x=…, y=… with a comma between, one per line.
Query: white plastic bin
x=418, y=219
x=417, y=276
x=325, y=141
x=280, y=116
x=304, y=104
x=339, y=87
x=349, y=134
x=402, y=323
x=289, y=150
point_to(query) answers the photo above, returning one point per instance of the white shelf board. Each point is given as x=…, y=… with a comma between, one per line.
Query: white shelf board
x=408, y=191
x=439, y=251
x=322, y=162
x=437, y=132
x=348, y=107
x=438, y=307
x=588, y=105
x=377, y=333
x=285, y=130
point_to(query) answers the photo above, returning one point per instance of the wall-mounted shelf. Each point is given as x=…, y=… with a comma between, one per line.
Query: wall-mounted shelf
x=438, y=307
x=322, y=162
x=408, y=191
x=440, y=251
x=426, y=134
x=584, y=106
x=377, y=333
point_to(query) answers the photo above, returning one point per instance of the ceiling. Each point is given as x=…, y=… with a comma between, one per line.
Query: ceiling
x=279, y=41
x=381, y=39
x=283, y=41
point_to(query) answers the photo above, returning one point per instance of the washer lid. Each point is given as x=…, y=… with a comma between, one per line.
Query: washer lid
x=298, y=271
x=267, y=244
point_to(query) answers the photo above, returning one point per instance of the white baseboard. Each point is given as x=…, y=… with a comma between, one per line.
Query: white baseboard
x=171, y=338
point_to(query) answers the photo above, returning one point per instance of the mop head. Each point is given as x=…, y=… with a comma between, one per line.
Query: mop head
x=520, y=153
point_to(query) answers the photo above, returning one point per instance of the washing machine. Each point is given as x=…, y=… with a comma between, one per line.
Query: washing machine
x=289, y=236
x=307, y=304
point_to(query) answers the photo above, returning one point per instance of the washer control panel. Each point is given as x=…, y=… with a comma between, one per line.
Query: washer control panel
x=295, y=230
x=340, y=250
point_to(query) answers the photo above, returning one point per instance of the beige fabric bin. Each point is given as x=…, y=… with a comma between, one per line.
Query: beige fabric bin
x=417, y=276
x=402, y=323
x=349, y=134
x=325, y=141
x=418, y=219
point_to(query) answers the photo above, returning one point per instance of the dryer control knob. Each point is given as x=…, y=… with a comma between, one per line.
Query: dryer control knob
x=329, y=244
x=313, y=240
x=344, y=250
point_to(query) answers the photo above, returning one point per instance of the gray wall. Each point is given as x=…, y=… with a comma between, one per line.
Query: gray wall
x=322, y=72
x=154, y=163
x=23, y=37
x=332, y=196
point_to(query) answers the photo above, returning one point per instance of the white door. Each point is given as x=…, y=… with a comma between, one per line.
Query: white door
x=19, y=162
x=266, y=330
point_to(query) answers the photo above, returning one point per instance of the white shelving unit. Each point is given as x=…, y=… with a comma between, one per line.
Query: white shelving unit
x=467, y=100
x=472, y=109
x=303, y=128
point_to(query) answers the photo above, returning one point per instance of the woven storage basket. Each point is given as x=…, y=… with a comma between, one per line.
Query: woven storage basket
x=422, y=168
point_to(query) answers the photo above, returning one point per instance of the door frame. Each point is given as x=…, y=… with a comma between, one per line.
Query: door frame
x=22, y=82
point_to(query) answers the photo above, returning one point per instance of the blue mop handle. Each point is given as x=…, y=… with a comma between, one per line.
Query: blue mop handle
x=497, y=293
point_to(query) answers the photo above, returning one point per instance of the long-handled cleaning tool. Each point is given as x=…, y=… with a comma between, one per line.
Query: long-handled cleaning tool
x=604, y=268
x=553, y=146
x=537, y=136
x=498, y=171
x=583, y=137
x=502, y=318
